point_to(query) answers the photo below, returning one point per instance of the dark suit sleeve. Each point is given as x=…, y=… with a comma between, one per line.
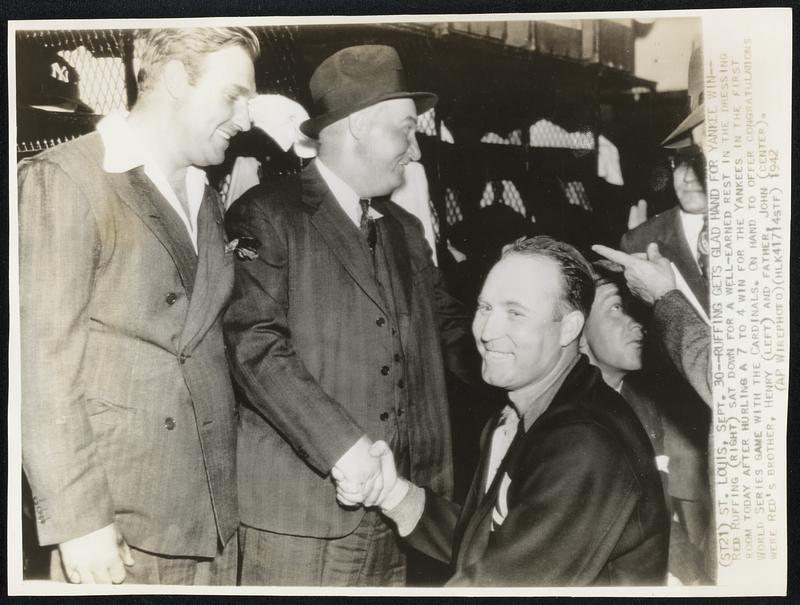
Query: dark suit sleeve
x=59, y=248
x=687, y=339
x=264, y=362
x=566, y=510
x=459, y=353
x=434, y=533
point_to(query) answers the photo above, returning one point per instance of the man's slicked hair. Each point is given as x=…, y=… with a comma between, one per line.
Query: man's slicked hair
x=189, y=46
x=577, y=277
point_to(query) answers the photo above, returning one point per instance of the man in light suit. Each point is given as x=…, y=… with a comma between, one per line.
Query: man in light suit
x=336, y=333
x=128, y=416
x=567, y=492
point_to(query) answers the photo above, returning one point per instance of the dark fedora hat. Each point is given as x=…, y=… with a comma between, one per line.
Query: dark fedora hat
x=354, y=78
x=682, y=135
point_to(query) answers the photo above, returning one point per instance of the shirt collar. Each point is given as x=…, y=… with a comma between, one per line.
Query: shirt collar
x=539, y=396
x=344, y=194
x=692, y=226
x=124, y=149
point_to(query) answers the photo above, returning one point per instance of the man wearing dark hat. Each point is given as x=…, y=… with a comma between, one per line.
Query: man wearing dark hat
x=335, y=335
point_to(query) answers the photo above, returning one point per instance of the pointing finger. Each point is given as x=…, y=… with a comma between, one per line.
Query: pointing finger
x=614, y=255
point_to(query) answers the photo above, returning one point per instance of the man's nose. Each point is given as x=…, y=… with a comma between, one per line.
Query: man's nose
x=241, y=115
x=492, y=327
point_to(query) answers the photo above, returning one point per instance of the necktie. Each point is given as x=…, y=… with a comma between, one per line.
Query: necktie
x=367, y=225
x=503, y=435
x=702, y=248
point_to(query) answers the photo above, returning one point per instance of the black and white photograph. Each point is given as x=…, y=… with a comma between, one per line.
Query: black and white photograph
x=464, y=304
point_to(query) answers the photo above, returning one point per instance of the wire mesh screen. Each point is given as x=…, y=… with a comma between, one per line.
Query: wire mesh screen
x=97, y=56
x=454, y=213
x=503, y=192
x=102, y=80
x=547, y=134
x=426, y=122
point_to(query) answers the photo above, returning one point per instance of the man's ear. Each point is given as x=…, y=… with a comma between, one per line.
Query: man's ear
x=571, y=326
x=176, y=78
x=358, y=123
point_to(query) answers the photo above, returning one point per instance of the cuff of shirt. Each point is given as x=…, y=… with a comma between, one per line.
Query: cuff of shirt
x=407, y=513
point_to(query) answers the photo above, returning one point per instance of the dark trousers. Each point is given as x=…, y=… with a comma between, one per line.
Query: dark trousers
x=370, y=556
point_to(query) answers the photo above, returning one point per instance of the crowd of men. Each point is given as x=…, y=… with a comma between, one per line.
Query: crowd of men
x=259, y=396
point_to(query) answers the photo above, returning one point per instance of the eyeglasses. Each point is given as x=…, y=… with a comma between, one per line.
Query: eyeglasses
x=691, y=157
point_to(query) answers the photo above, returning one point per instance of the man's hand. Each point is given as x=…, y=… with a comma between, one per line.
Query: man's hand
x=637, y=214
x=358, y=475
x=649, y=276
x=393, y=491
x=395, y=487
x=99, y=557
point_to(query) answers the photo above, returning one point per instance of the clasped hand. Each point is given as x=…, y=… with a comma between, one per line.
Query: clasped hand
x=366, y=475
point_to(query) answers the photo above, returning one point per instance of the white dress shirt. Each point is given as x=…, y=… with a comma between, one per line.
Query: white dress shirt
x=344, y=194
x=692, y=226
x=124, y=151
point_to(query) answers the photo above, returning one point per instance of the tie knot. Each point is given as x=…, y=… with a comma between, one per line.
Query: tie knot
x=508, y=416
x=365, y=204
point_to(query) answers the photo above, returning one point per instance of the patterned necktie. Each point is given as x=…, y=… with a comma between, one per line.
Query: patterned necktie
x=367, y=224
x=702, y=248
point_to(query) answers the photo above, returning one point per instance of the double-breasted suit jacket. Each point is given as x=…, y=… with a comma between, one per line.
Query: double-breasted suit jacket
x=323, y=352
x=582, y=500
x=128, y=413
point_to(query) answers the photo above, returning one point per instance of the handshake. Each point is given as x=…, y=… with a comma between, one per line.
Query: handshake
x=367, y=476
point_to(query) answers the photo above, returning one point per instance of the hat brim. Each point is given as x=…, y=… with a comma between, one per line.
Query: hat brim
x=681, y=136
x=313, y=126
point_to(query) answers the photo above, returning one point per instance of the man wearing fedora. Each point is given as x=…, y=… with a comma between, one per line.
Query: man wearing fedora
x=336, y=335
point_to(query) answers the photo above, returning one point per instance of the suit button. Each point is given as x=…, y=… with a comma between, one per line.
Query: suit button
x=169, y=424
x=380, y=322
x=171, y=298
x=401, y=384
x=397, y=357
x=385, y=370
x=182, y=358
x=385, y=416
x=400, y=412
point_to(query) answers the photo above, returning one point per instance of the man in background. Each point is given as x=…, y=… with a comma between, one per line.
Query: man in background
x=612, y=339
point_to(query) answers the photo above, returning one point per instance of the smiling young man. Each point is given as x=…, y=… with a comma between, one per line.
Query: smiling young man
x=128, y=414
x=336, y=332
x=567, y=492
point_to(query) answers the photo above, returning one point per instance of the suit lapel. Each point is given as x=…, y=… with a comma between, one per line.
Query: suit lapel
x=138, y=193
x=479, y=502
x=340, y=234
x=679, y=251
x=214, y=279
x=395, y=248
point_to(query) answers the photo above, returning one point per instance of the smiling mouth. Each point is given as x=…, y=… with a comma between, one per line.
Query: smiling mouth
x=225, y=135
x=496, y=355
